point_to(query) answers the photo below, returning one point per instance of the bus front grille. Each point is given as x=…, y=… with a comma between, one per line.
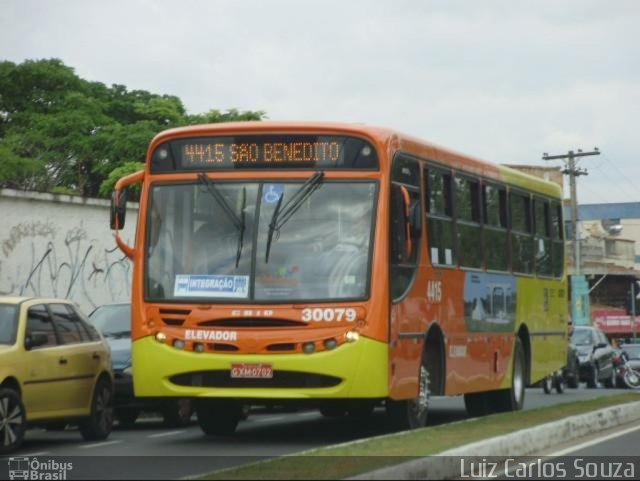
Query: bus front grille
x=280, y=379
x=174, y=317
x=252, y=322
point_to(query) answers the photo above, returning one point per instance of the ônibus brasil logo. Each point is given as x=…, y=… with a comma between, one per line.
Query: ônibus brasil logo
x=25, y=468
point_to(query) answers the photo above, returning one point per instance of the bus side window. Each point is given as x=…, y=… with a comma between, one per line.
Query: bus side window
x=496, y=240
x=557, y=248
x=542, y=237
x=468, y=224
x=521, y=233
x=440, y=217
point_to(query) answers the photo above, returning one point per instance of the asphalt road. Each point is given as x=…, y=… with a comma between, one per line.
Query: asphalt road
x=149, y=451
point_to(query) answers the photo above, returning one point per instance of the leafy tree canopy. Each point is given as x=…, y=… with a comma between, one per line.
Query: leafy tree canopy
x=61, y=133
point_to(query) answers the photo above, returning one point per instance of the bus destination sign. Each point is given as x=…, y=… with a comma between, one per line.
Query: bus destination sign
x=264, y=152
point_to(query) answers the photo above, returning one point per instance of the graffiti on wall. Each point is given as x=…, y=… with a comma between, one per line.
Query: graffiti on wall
x=43, y=259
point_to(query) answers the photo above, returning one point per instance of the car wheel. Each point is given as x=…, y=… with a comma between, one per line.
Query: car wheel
x=592, y=381
x=560, y=384
x=12, y=420
x=98, y=425
x=177, y=413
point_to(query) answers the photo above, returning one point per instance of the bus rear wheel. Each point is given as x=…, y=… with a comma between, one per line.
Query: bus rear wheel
x=512, y=399
x=218, y=417
x=411, y=413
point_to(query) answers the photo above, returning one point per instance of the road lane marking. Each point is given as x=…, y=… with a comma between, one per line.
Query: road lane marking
x=99, y=445
x=162, y=435
x=594, y=441
x=40, y=453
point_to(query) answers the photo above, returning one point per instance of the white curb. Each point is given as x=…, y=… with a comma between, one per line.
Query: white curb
x=446, y=465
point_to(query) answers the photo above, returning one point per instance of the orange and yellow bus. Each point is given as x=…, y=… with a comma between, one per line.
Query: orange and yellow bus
x=339, y=266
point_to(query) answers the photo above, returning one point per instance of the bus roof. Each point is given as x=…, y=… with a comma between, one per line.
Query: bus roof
x=384, y=138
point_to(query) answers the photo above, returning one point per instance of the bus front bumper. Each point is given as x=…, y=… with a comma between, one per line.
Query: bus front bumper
x=356, y=370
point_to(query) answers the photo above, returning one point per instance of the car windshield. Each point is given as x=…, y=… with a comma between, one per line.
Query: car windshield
x=8, y=323
x=224, y=241
x=581, y=337
x=114, y=320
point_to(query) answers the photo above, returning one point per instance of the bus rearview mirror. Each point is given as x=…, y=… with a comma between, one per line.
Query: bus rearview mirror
x=118, y=209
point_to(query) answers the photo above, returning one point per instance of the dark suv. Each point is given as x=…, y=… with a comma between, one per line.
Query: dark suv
x=114, y=320
x=595, y=355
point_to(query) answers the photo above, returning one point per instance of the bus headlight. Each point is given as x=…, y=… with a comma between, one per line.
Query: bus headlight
x=178, y=344
x=198, y=347
x=161, y=337
x=352, y=336
x=309, y=347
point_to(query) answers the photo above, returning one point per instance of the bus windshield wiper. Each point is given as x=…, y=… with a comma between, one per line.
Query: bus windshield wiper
x=238, y=222
x=281, y=215
x=242, y=227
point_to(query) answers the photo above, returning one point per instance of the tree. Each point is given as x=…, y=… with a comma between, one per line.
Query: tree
x=60, y=132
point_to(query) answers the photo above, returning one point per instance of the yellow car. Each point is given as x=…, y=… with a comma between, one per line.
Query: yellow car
x=55, y=367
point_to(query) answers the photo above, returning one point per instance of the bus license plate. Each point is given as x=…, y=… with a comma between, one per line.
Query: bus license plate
x=251, y=371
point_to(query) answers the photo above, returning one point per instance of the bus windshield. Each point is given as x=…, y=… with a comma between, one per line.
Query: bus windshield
x=212, y=241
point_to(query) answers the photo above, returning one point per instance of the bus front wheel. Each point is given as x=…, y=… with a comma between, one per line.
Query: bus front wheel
x=411, y=413
x=218, y=417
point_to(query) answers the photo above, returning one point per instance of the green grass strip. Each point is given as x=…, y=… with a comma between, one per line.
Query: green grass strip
x=342, y=461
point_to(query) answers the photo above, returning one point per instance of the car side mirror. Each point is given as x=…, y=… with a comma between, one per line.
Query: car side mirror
x=35, y=340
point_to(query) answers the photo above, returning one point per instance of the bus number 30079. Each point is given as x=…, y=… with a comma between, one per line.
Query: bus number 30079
x=338, y=314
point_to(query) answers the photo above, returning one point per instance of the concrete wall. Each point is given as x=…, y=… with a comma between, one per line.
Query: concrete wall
x=62, y=246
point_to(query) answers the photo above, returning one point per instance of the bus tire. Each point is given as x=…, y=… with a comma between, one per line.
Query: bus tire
x=411, y=413
x=547, y=384
x=512, y=399
x=12, y=420
x=218, y=417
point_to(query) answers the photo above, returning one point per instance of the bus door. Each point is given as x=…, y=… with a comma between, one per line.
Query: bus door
x=407, y=313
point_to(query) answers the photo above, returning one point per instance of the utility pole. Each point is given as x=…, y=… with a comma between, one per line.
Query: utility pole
x=573, y=172
x=580, y=311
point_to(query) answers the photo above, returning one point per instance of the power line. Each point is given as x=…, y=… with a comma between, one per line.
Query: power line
x=624, y=177
x=612, y=180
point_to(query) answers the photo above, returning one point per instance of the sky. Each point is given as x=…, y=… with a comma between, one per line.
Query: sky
x=502, y=80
